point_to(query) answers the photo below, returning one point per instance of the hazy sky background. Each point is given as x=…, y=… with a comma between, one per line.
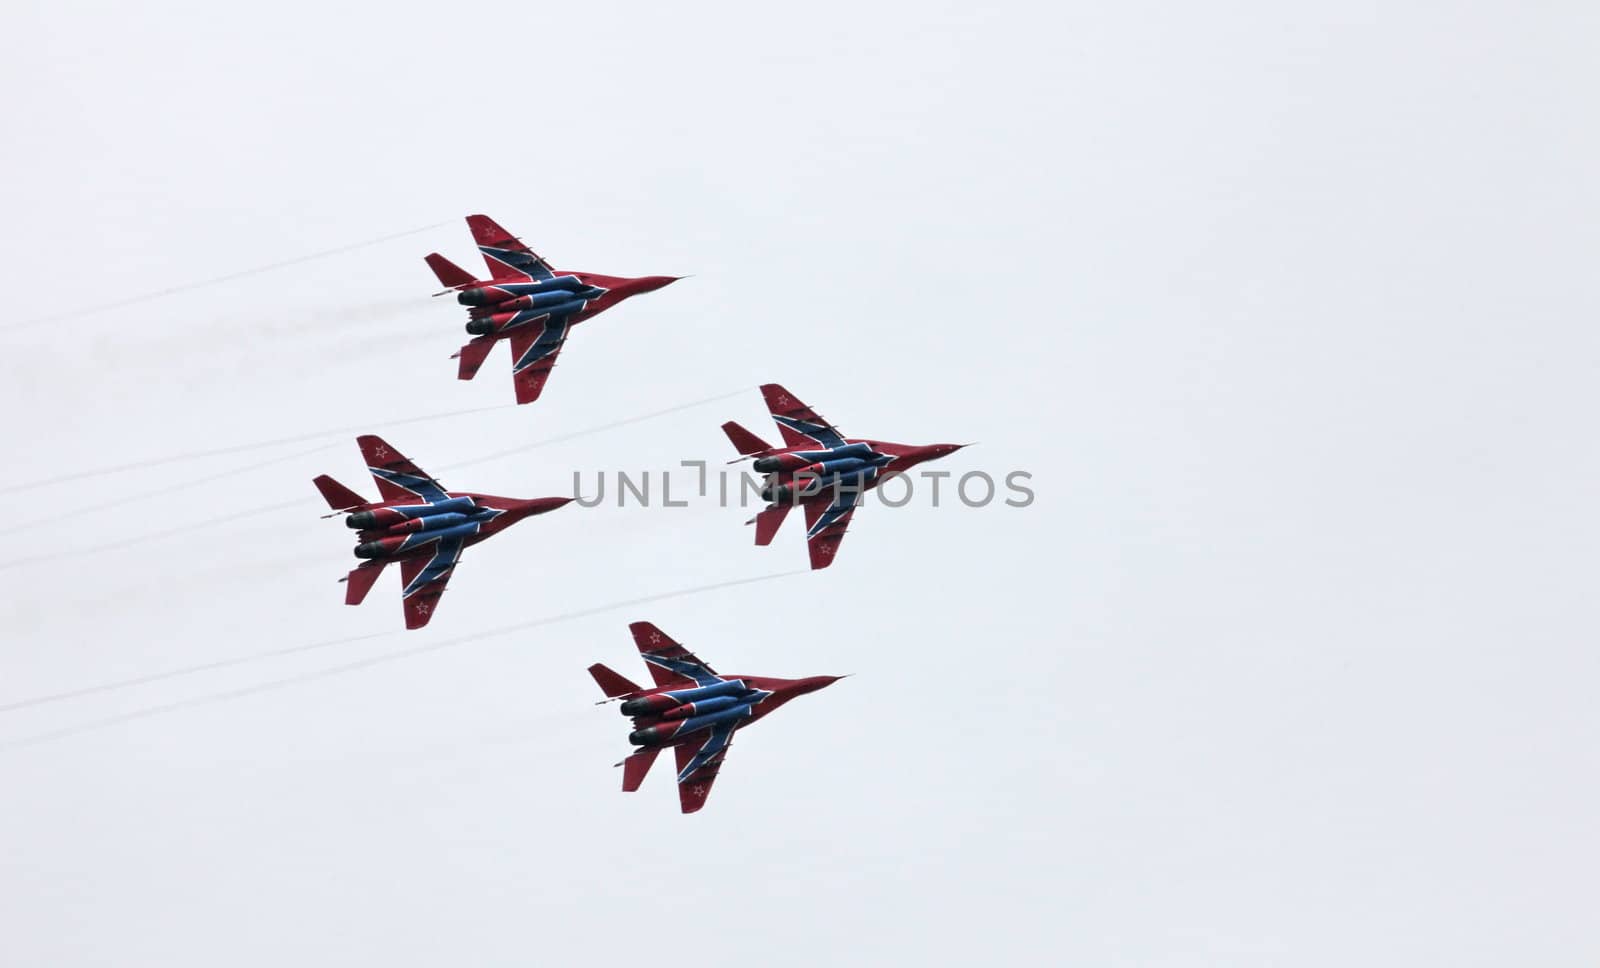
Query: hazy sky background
x=1289, y=309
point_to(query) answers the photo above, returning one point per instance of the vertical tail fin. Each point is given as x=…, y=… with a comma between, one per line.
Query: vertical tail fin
x=613, y=684
x=339, y=497
x=745, y=442
x=451, y=276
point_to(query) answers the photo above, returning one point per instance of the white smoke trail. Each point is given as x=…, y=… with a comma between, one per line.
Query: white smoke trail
x=318, y=674
x=346, y=431
x=77, y=313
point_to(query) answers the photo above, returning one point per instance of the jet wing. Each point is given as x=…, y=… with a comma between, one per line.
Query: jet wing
x=399, y=480
x=505, y=255
x=533, y=355
x=698, y=767
x=424, y=579
x=827, y=517
x=670, y=664
x=801, y=426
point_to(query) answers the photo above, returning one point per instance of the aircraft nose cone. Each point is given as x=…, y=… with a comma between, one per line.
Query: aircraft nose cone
x=813, y=683
x=936, y=451
x=652, y=283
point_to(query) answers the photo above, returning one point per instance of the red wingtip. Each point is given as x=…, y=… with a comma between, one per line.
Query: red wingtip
x=377, y=452
x=419, y=609
x=780, y=400
x=486, y=231
x=649, y=638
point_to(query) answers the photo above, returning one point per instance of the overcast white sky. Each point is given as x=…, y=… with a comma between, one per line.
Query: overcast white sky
x=1289, y=308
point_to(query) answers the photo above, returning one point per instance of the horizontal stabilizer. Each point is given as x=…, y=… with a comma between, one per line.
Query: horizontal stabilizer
x=636, y=766
x=613, y=684
x=451, y=276
x=769, y=521
x=745, y=442
x=472, y=356
x=339, y=497
x=361, y=580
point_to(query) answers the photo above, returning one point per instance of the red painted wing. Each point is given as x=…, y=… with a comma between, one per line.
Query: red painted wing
x=653, y=641
x=510, y=259
x=434, y=573
x=801, y=426
x=826, y=522
x=696, y=787
x=530, y=379
x=399, y=480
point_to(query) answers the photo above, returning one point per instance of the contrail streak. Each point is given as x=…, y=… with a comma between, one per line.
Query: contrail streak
x=249, y=512
x=240, y=448
x=180, y=486
x=216, y=280
x=353, y=428
x=595, y=430
x=152, y=536
x=319, y=674
x=178, y=673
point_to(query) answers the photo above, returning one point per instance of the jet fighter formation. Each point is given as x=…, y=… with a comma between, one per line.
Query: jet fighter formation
x=424, y=528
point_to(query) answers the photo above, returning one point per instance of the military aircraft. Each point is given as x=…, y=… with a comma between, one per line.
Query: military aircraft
x=691, y=709
x=819, y=469
x=526, y=302
x=418, y=524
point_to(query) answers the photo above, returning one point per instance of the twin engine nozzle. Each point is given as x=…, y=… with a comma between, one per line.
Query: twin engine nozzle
x=390, y=516
x=496, y=307
x=662, y=701
x=663, y=715
x=810, y=483
x=489, y=295
x=797, y=459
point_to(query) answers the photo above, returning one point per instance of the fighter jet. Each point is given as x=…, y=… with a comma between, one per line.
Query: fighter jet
x=819, y=469
x=526, y=302
x=418, y=524
x=691, y=709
